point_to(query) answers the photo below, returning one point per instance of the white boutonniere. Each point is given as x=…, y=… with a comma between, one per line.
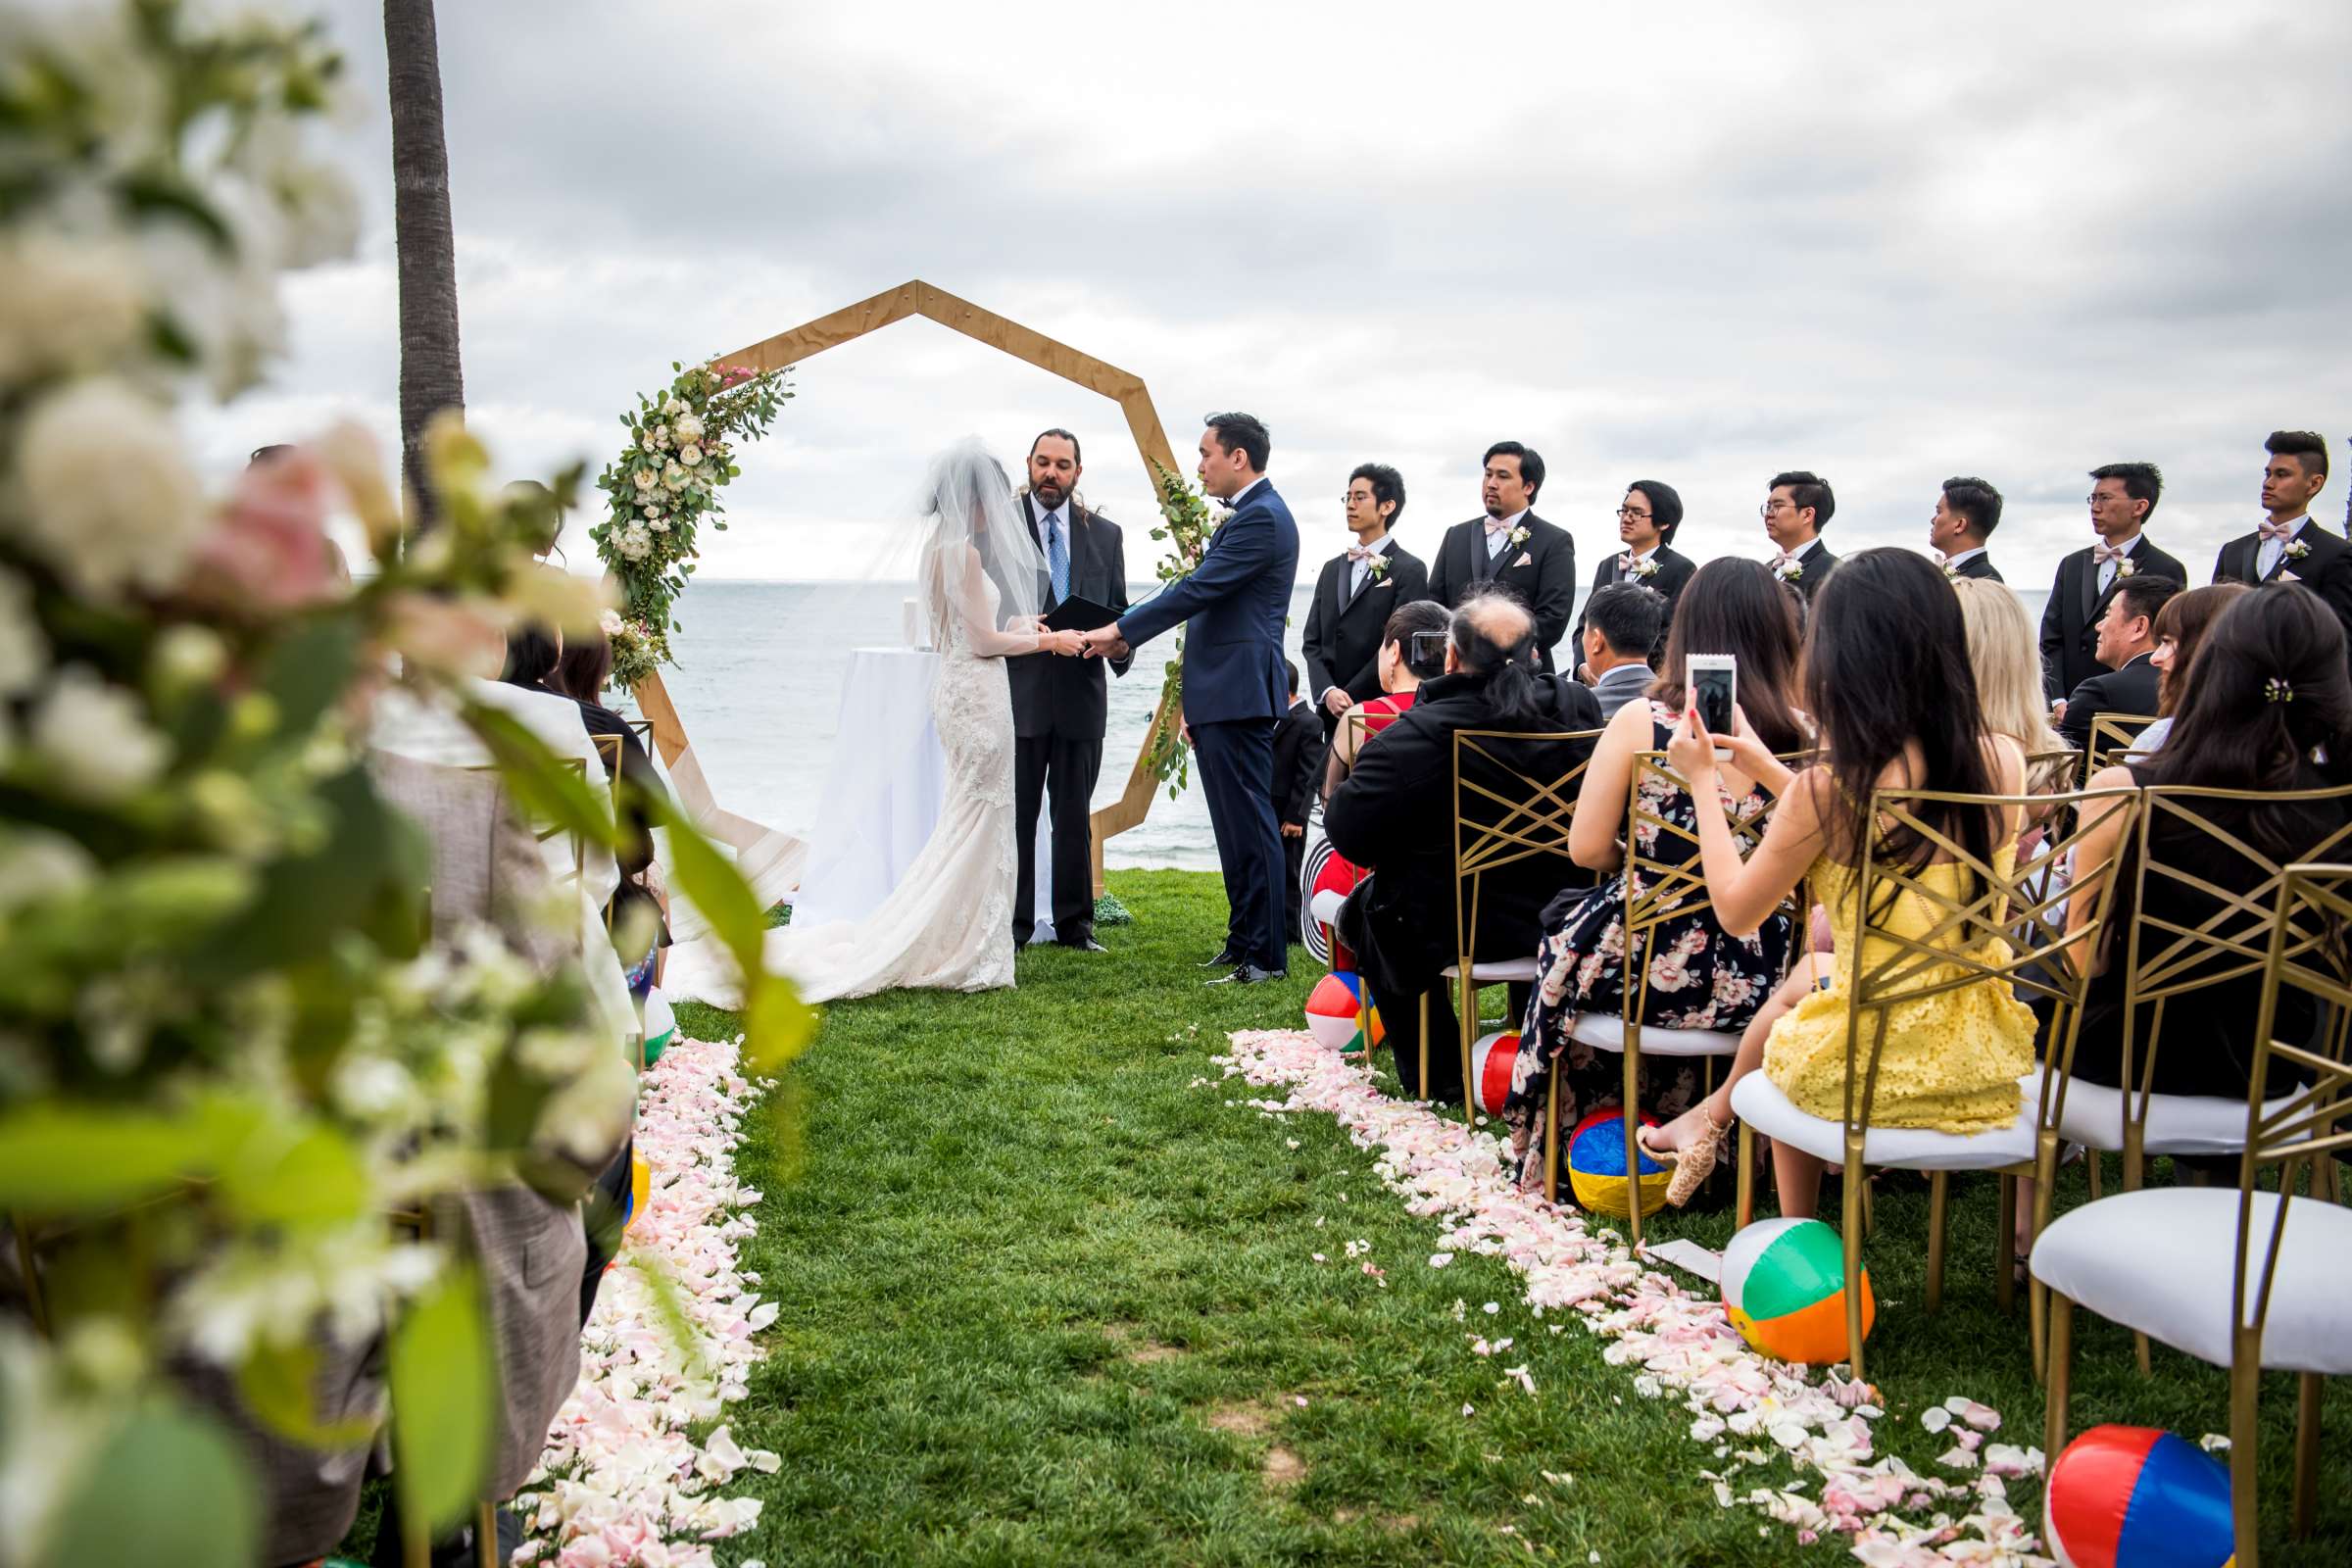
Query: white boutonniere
x=2297, y=548
x=1951, y=571
x=1517, y=536
x=2126, y=567
x=1638, y=571
x=1377, y=568
x=1789, y=570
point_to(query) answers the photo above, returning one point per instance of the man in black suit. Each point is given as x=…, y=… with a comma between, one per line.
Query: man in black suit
x=2287, y=546
x=1059, y=705
x=1966, y=513
x=1358, y=590
x=1298, y=768
x=2123, y=495
x=1511, y=548
x=2126, y=633
x=1798, y=508
x=1395, y=813
x=1647, y=520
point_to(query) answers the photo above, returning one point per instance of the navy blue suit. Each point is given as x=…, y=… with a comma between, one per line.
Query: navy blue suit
x=1235, y=688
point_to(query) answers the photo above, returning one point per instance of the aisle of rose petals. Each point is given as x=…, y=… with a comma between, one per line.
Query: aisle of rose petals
x=1750, y=1416
x=625, y=1481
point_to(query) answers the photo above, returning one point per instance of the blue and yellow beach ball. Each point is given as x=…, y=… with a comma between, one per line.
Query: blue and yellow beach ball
x=1784, y=1284
x=641, y=1186
x=2136, y=1497
x=1597, y=1165
x=1332, y=1009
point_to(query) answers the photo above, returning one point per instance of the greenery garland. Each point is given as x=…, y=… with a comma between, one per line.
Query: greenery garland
x=663, y=487
x=1187, y=521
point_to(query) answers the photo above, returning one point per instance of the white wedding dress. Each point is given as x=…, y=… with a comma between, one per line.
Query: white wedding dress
x=948, y=925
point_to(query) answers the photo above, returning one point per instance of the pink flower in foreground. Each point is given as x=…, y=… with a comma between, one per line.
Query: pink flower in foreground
x=267, y=549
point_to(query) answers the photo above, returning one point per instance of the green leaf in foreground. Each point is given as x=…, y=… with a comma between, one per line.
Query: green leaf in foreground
x=442, y=1388
x=168, y=1487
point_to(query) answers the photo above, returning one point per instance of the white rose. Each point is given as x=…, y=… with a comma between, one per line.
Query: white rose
x=63, y=305
x=674, y=478
x=657, y=524
x=688, y=429
x=610, y=624
x=94, y=739
x=661, y=435
x=672, y=408
x=106, y=494
x=24, y=653
x=692, y=457
x=645, y=479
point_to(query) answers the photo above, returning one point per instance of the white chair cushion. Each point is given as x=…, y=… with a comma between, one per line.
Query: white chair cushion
x=2162, y=1262
x=1605, y=1031
x=1326, y=906
x=1519, y=970
x=1757, y=1101
x=2177, y=1124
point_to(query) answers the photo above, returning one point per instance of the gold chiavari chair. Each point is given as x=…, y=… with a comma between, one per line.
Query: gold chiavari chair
x=2112, y=736
x=1504, y=816
x=2219, y=1274
x=2006, y=930
x=1355, y=728
x=1658, y=889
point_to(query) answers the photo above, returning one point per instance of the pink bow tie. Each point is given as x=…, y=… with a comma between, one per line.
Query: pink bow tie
x=2103, y=554
x=1359, y=553
x=1783, y=559
x=1496, y=526
x=2280, y=531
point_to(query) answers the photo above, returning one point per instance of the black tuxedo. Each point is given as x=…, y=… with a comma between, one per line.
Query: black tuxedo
x=1058, y=710
x=1674, y=575
x=1979, y=566
x=2326, y=569
x=1539, y=572
x=1814, y=564
x=1342, y=641
x=2074, y=607
x=2129, y=690
x=1298, y=771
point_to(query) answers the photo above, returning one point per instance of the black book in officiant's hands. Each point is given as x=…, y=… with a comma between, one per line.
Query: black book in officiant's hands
x=1077, y=614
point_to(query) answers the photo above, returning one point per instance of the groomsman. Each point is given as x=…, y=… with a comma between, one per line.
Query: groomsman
x=1798, y=508
x=1511, y=548
x=1059, y=705
x=1966, y=513
x=2286, y=546
x=1354, y=595
x=1646, y=522
x=2123, y=495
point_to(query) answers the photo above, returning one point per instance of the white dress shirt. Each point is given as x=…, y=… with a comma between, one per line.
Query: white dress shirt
x=1953, y=562
x=1496, y=537
x=2266, y=556
x=2107, y=568
x=1243, y=494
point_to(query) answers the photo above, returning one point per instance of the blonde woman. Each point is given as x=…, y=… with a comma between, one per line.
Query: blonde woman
x=2006, y=657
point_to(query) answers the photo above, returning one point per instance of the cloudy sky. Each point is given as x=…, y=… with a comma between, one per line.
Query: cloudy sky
x=1694, y=242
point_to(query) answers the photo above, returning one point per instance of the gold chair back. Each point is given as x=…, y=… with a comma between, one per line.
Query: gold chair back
x=2166, y=957
x=2053, y=773
x=2112, y=736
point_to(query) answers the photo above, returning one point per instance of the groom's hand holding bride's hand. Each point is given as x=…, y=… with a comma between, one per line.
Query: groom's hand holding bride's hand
x=1068, y=643
x=1105, y=642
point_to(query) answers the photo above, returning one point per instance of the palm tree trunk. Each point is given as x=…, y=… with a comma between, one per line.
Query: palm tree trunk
x=431, y=377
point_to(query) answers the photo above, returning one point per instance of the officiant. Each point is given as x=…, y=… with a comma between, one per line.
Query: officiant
x=1059, y=706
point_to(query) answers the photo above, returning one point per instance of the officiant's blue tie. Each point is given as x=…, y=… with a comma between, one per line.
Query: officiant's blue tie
x=1058, y=557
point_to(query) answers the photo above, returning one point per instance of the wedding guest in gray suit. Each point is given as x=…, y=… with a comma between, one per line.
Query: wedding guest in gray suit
x=1620, y=627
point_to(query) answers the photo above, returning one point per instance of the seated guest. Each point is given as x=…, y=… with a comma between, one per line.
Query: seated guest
x=1358, y=590
x=582, y=670
x=1888, y=679
x=2006, y=657
x=1298, y=768
x=2126, y=634
x=1400, y=678
x=2180, y=627
x=1647, y=520
x=1966, y=513
x=1395, y=815
x=1622, y=624
x=1699, y=976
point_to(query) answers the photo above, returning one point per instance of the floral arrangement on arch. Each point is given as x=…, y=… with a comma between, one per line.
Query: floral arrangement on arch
x=662, y=489
x=1187, y=520
x=230, y=1058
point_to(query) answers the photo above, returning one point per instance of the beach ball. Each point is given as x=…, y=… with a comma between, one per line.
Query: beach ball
x=1491, y=1064
x=660, y=1025
x=1331, y=1013
x=641, y=1182
x=1325, y=879
x=1784, y=1284
x=1596, y=1166
x=2136, y=1497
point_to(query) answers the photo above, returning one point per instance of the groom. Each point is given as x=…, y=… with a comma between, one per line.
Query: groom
x=1234, y=685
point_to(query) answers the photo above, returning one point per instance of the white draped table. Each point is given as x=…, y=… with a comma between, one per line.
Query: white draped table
x=882, y=796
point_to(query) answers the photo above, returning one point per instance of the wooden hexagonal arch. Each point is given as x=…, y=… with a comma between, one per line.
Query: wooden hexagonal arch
x=1023, y=343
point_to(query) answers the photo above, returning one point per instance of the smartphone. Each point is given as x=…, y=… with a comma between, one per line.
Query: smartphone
x=1714, y=686
x=1427, y=648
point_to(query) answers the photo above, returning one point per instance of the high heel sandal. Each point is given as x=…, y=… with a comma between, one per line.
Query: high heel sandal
x=1692, y=1165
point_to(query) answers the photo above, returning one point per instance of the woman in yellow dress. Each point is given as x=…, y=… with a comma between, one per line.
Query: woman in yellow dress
x=1889, y=682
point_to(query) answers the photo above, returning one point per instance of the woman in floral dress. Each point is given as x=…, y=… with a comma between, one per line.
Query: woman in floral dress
x=1699, y=978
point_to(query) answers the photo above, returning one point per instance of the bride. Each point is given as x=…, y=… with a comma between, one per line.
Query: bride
x=948, y=925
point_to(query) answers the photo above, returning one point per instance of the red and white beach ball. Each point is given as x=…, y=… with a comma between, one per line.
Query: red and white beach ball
x=1490, y=1062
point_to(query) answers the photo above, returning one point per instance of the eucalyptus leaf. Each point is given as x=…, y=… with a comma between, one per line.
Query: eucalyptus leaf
x=298, y=1175
x=59, y=1159
x=170, y=1487
x=443, y=1384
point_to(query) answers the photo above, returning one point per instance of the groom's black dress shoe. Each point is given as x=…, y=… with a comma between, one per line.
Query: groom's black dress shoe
x=1250, y=974
x=1226, y=958
x=1084, y=944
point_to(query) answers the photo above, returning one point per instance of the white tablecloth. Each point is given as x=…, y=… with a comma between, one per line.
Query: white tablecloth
x=882, y=797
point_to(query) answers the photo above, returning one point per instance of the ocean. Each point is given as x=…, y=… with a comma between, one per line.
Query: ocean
x=758, y=677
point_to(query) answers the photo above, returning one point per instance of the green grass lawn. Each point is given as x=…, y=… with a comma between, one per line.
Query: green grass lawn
x=1045, y=1302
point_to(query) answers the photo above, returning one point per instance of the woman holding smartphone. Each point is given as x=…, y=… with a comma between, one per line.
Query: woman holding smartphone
x=1700, y=976
x=1889, y=682
x=1412, y=650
